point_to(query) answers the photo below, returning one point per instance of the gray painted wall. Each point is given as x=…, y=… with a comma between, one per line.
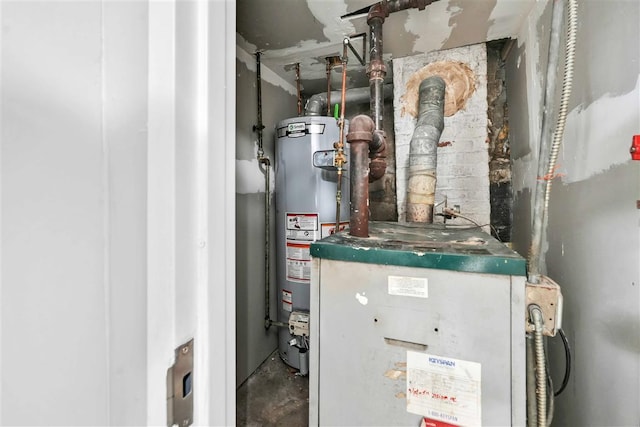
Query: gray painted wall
x=593, y=237
x=254, y=344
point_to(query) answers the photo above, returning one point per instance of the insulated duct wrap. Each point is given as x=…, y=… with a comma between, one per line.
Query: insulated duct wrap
x=423, y=151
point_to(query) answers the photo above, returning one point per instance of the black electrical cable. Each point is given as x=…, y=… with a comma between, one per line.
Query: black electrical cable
x=567, y=354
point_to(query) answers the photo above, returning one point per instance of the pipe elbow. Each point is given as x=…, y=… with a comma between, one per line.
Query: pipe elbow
x=378, y=155
x=378, y=11
x=377, y=169
x=361, y=129
x=316, y=105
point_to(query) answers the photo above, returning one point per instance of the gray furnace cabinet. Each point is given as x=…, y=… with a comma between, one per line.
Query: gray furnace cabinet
x=417, y=323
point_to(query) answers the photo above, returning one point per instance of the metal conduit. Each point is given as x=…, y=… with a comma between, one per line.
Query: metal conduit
x=548, y=153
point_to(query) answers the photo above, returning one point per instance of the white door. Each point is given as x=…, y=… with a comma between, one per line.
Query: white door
x=116, y=209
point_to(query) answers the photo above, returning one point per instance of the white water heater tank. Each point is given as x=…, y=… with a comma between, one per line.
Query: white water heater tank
x=306, y=184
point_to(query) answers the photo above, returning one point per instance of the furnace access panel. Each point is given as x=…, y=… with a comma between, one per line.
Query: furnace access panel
x=417, y=323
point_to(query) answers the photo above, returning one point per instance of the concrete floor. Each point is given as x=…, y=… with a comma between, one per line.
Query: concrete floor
x=273, y=396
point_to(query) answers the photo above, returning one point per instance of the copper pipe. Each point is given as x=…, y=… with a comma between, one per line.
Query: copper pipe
x=328, y=88
x=332, y=61
x=329, y=68
x=340, y=157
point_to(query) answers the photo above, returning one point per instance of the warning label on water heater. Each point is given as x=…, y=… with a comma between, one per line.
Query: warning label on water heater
x=301, y=229
x=287, y=300
x=444, y=389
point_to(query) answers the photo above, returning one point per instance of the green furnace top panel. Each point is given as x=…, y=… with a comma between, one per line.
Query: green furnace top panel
x=425, y=246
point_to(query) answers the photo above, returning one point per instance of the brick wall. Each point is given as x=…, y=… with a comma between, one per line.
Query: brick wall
x=463, y=162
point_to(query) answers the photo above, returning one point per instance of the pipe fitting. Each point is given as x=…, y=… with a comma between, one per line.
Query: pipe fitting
x=361, y=129
x=378, y=11
x=378, y=156
x=378, y=142
x=376, y=69
x=377, y=169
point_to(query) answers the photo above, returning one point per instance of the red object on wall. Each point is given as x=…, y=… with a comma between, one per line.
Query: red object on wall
x=635, y=147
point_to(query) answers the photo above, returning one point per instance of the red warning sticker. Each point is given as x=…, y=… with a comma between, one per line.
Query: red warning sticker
x=428, y=422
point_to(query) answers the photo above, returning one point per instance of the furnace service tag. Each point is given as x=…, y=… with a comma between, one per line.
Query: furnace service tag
x=444, y=389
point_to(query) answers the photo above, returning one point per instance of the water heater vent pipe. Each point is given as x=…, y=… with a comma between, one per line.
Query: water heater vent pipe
x=319, y=103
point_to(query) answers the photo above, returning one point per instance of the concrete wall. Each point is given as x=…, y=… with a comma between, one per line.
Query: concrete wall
x=106, y=213
x=593, y=237
x=254, y=344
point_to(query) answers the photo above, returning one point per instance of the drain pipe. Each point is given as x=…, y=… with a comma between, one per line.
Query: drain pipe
x=377, y=69
x=363, y=139
x=366, y=134
x=266, y=163
x=423, y=151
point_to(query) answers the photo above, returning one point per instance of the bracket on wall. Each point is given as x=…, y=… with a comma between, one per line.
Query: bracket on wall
x=180, y=387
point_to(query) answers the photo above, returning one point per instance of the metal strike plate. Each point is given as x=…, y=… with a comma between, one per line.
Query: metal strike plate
x=548, y=296
x=324, y=159
x=180, y=387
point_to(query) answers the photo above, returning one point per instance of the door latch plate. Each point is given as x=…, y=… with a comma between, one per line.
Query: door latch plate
x=180, y=387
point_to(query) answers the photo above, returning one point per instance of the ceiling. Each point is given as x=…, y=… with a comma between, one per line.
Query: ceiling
x=308, y=31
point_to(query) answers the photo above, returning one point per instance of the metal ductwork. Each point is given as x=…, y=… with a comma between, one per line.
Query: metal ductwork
x=423, y=150
x=317, y=104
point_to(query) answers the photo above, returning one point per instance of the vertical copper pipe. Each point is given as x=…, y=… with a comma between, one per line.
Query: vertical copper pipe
x=340, y=158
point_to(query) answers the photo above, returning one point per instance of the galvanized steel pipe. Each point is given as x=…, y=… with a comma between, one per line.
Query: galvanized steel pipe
x=423, y=153
x=319, y=103
x=264, y=160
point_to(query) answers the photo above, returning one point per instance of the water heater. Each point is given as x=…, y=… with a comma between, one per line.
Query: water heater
x=306, y=184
